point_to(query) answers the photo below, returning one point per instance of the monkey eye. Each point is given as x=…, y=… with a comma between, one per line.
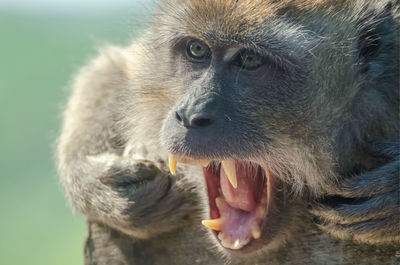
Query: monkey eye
x=198, y=50
x=249, y=60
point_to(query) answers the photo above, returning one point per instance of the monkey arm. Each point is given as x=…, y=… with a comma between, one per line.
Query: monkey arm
x=133, y=196
x=366, y=207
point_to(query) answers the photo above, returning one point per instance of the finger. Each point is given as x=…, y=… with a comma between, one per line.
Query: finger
x=387, y=147
x=376, y=207
x=384, y=230
x=382, y=180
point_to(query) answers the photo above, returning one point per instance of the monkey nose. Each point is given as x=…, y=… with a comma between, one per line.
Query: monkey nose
x=195, y=120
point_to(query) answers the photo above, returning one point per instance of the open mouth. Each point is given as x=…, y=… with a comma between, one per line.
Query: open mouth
x=240, y=197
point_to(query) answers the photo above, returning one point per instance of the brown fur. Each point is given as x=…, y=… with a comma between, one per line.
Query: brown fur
x=112, y=152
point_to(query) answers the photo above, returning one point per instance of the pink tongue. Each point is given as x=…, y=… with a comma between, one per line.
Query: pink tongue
x=244, y=196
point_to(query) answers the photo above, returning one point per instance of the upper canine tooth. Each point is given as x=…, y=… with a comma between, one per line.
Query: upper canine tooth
x=214, y=224
x=230, y=171
x=172, y=164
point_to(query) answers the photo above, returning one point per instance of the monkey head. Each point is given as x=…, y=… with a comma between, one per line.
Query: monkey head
x=266, y=96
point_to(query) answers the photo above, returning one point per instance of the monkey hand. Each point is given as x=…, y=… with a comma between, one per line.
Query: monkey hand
x=366, y=208
x=135, y=197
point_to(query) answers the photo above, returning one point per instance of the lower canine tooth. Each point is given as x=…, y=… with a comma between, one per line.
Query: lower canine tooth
x=172, y=164
x=255, y=231
x=230, y=171
x=214, y=224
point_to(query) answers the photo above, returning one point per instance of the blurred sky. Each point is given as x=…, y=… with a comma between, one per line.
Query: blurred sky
x=68, y=5
x=43, y=43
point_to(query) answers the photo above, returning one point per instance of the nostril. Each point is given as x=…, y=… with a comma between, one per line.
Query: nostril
x=194, y=120
x=178, y=117
x=201, y=121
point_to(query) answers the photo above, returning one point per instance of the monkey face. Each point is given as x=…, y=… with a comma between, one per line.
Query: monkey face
x=230, y=96
x=243, y=101
x=220, y=123
x=237, y=107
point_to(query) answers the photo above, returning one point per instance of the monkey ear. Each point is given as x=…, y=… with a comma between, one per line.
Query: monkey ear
x=377, y=42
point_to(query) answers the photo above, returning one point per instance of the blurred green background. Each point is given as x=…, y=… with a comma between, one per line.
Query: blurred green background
x=42, y=44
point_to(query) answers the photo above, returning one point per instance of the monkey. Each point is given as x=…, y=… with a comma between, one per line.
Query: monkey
x=241, y=132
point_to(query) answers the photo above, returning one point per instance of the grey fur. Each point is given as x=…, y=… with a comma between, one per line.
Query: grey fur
x=326, y=122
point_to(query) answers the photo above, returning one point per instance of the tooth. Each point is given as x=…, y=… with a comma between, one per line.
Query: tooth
x=214, y=224
x=230, y=171
x=268, y=171
x=219, y=201
x=260, y=211
x=227, y=241
x=191, y=161
x=255, y=230
x=221, y=236
x=236, y=244
x=172, y=164
x=205, y=163
x=239, y=243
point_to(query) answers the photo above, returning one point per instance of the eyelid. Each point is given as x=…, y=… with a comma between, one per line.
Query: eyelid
x=243, y=53
x=238, y=59
x=231, y=54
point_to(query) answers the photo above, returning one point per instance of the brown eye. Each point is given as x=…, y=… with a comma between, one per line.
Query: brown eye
x=249, y=60
x=198, y=50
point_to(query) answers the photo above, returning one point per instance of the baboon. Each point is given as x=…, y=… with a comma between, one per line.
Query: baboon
x=279, y=122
